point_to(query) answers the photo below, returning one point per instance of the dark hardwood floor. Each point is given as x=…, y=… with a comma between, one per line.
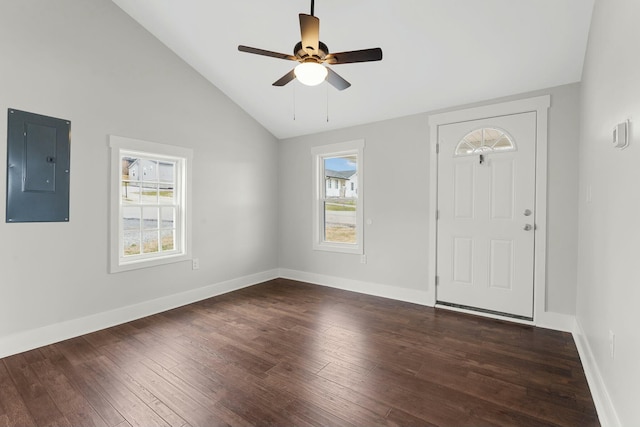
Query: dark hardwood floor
x=287, y=353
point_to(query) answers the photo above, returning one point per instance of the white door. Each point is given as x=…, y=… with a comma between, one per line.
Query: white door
x=486, y=216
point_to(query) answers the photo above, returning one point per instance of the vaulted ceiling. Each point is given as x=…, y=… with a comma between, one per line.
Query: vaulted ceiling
x=437, y=53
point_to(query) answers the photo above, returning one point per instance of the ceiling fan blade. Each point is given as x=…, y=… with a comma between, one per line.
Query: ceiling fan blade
x=310, y=32
x=285, y=79
x=365, y=55
x=336, y=80
x=263, y=52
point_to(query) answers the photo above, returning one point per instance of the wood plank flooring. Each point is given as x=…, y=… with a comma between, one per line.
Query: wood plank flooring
x=292, y=354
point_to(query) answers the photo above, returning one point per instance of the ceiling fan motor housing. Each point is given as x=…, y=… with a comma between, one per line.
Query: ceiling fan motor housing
x=302, y=53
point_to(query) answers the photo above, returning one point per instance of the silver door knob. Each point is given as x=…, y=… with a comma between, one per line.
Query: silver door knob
x=527, y=212
x=527, y=227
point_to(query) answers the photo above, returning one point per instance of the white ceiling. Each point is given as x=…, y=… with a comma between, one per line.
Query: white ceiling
x=437, y=53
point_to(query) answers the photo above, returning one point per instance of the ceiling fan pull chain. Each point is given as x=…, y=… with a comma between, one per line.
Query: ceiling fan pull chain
x=294, y=102
x=327, y=86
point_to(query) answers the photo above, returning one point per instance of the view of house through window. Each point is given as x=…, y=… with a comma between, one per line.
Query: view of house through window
x=340, y=198
x=149, y=205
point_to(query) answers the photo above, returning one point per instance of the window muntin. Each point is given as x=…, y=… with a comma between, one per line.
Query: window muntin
x=149, y=204
x=484, y=140
x=338, y=200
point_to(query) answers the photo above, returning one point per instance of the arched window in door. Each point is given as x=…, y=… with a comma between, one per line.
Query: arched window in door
x=483, y=141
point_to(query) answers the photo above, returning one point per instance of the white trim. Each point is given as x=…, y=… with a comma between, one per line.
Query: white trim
x=488, y=315
x=339, y=148
x=28, y=340
x=556, y=321
x=602, y=400
x=34, y=338
x=494, y=110
x=540, y=105
x=414, y=296
x=331, y=150
x=433, y=209
x=118, y=144
x=540, y=253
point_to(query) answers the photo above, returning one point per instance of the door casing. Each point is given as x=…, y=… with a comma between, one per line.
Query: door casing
x=540, y=106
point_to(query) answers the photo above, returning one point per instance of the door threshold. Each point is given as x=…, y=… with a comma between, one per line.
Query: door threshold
x=485, y=313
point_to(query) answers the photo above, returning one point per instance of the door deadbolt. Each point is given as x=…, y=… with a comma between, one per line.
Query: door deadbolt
x=527, y=212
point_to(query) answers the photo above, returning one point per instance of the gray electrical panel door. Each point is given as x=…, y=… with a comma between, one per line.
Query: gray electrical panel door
x=38, y=158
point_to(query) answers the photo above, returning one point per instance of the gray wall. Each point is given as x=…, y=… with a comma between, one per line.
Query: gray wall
x=609, y=278
x=396, y=200
x=88, y=62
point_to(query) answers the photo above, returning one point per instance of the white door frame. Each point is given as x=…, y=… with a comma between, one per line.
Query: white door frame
x=540, y=105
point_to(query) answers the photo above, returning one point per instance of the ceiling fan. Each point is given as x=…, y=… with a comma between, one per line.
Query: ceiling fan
x=311, y=53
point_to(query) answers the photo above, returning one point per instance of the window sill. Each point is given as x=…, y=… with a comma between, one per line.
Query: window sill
x=339, y=248
x=145, y=263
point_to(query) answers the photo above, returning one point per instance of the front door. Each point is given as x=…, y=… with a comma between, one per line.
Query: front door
x=486, y=214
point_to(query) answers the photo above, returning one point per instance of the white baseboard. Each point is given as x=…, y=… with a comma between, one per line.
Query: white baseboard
x=555, y=321
x=28, y=340
x=483, y=314
x=549, y=320
x=369, y=288
x=604, y=406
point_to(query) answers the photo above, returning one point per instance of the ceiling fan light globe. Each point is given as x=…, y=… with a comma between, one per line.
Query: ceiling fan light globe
x=310, y=73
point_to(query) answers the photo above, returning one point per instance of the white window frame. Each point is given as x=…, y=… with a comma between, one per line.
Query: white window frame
x=319, y=188
x=128, y=147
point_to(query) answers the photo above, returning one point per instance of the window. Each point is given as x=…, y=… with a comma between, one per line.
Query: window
x=484, y=140
x=149, y=204
x=337, y=210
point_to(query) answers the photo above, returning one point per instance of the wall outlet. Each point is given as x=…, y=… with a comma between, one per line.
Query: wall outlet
x=612, y=344
x=195, y=264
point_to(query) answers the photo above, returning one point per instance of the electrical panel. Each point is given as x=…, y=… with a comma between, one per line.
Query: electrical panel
x=38, y=160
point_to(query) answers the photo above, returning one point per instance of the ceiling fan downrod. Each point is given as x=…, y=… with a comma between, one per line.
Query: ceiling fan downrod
x=313, y=2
